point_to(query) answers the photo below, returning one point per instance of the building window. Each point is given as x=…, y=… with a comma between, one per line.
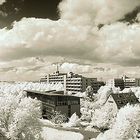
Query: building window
x=49, y=109
x=74, y=102
x=50, y=102
x=120, y=102
x=110, y=101
x=62, y=103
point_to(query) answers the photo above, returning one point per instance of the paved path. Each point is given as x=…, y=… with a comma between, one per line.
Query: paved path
x=87, y=134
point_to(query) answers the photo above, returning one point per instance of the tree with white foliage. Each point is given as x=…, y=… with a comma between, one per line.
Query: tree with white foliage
x=88, y=107
x=103, y=117
x=126, y=125
x=58, y=118
x=73, y=121
x=89, y=92
x=19, y=118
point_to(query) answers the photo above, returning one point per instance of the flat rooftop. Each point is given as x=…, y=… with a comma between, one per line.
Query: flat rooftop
x=50, y=93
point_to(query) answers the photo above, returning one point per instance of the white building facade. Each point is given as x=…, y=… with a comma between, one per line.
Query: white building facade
x=72, y=82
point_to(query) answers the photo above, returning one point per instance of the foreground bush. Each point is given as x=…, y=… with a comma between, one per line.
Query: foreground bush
x=126, y=125
x=58, y=118
x=19, y=118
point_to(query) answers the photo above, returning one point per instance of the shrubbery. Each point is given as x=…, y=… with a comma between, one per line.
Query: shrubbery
x=19, y=118
x=126, y=125
x=58, y=118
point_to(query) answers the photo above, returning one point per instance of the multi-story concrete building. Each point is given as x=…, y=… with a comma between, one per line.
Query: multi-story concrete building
x=56, y=77
x=75, y=82
x=72, y=82
x=129, y=82
x=100, y=83
x=117, y=82
x=137, y=82
x=110, y=82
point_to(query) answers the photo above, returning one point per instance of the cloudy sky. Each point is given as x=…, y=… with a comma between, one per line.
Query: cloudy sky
x=96, y=38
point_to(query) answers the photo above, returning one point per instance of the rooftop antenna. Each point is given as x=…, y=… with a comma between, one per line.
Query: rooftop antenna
x=101, y=79
x=57, y=66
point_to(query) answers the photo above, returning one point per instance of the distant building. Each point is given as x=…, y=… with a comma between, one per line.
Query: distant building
x=72, y=82
x=129, y=82
x=119, y=100
x=78, y=83
x=2, y=135
x=56, y=101
x=110, y=82
x=55, y=77
x=117, y=82
x=137, y=82
x=100, y=83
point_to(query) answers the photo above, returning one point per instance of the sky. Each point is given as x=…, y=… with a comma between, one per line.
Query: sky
x=95, y=38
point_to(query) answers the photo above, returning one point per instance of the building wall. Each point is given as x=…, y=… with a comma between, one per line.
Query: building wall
x=3, y=138
x=111, y=103
x=62, y=109
x=53, y=78
x=137, y=82
x=100, y=83
x=110, y=83
x=89, y=82
x=65, y=110
x=94, y=84
x=67, y=105
x=129, y=82
x=47, y=110
x=56, y=78
x=119, y=83
x=84, y=83
x=74, y=82
x=75, y=109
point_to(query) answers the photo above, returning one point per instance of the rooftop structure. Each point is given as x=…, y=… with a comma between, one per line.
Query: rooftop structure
x=119, y=100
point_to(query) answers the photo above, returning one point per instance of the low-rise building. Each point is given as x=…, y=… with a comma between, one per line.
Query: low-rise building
x=119, y=100
x=56, y=101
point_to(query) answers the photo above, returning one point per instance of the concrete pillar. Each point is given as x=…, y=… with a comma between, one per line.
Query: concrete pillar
x=65, y=91
x=48, y=79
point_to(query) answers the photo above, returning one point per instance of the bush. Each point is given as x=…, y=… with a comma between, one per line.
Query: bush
x=19, y=118
x=58, y=118
x=126, y=125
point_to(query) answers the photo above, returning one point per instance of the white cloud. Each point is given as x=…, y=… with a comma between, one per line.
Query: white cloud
x=32, y=37
x=121, y=43
x=33, y=68
x=96, y=11
x=74, y=43
x=74, y=38
x=2, y=1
